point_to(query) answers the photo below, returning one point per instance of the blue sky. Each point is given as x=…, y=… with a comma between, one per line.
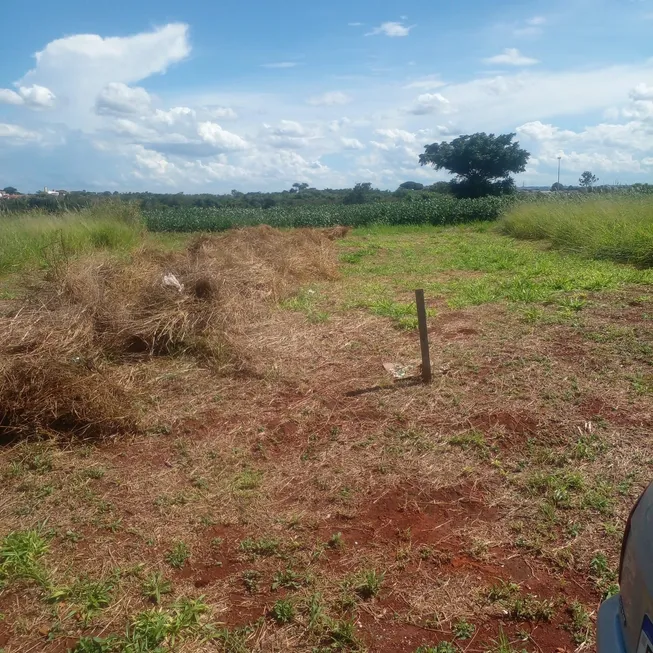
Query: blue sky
x=210, y=96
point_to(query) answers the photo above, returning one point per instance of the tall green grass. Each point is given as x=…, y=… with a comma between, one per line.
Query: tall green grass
x=617, y=228
x=40, y=240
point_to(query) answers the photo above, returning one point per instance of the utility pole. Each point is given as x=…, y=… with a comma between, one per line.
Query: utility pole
x=559, y=171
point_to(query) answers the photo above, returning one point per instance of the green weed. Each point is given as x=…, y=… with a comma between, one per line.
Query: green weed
x=155, y=586
x=463, y=630
x=178, y=555
x=20, y=557
x=283, y=611
x=264, y=546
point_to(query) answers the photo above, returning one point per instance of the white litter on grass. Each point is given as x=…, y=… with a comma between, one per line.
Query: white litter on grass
x=171, y=281
x=402, y=371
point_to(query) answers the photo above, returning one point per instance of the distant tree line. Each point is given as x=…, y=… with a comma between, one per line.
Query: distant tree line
x=481, y=165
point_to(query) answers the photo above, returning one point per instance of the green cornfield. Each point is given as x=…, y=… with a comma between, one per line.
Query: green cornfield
x=441, y=210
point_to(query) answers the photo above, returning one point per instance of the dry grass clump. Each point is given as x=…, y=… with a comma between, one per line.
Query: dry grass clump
x=68, y=355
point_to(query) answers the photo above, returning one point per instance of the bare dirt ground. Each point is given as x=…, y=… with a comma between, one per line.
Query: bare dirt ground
x=319, y=506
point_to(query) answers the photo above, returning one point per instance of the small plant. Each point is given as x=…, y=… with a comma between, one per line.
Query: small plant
x=369, y=583
x=283, y=611
x=502, y=644
x=471, y=440
x=20, y=554
x=178, y=555
x=442, y=647
x=463, y=630
x=251, y=580
x=156, y=586
x=87, y=597
x=200, y=483
x=264, y=546
x=336, y=541
x=341, y=634
x=248, y=480
x=95, y=473
x=288, y=579
x=581, y=624
x=316, y=614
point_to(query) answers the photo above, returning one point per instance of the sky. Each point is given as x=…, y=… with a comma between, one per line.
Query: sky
x=200, y=96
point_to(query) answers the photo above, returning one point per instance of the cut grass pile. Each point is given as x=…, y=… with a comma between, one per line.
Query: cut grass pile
x=39, y=240
x=68, y=354
x=618, y=229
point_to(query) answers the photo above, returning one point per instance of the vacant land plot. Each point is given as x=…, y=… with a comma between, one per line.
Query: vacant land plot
x=303, y=501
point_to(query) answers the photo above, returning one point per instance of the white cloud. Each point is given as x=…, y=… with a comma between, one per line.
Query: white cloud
x=289, y=128
x=173, y=116
x=223, y=140
x=511, y=57
x=34, y=96
x=38, y=97
x=7, y=96
x=355, y=24
x=15, y=134
x=352, y=144
x=391, y=29
x=117, y=98
x=221, y=113
x=536, y=20
x=430, y=103
x=280, y=64
x=642, y=92
x=78, y=68
x=330, y=99
x=397, y=135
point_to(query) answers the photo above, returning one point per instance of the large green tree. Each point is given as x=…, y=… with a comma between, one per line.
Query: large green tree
x=481, y=163
x=10, y=190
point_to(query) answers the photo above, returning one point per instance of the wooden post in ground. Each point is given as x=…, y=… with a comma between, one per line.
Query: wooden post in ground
x=423, y=336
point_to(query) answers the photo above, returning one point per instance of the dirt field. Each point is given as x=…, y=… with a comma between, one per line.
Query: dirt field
x=316, y=505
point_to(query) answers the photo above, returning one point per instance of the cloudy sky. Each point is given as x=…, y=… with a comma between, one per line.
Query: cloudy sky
x=256, y=94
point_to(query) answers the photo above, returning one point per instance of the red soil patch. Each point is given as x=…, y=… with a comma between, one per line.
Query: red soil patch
x=594, y=408
x=430, y=518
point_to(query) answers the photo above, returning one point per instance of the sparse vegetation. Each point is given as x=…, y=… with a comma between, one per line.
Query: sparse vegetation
x=327, y=507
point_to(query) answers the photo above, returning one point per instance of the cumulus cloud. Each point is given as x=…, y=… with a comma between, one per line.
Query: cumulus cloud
x=352, y=144
x=221, y=139
x=511, y=57
x=174, y=116
x=642, y=92
x=118, y=98
x=391, y=29
x=34, y=96
x=430, y=103
x=78, y=68
x=331, y=99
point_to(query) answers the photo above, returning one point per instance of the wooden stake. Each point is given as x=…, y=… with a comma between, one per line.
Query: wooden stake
x=423, y=336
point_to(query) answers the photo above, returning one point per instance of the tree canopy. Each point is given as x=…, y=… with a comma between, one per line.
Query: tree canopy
x=411, y=185
x=587, y=179
x=481, y=163
x=10, y=190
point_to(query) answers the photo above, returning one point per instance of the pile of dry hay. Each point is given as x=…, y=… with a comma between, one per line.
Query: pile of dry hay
x=70, y=355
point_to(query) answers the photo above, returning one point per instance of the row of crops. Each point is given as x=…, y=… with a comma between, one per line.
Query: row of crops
x=439, y=210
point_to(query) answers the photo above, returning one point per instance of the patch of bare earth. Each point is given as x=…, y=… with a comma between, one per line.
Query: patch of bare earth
x=396, y=507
